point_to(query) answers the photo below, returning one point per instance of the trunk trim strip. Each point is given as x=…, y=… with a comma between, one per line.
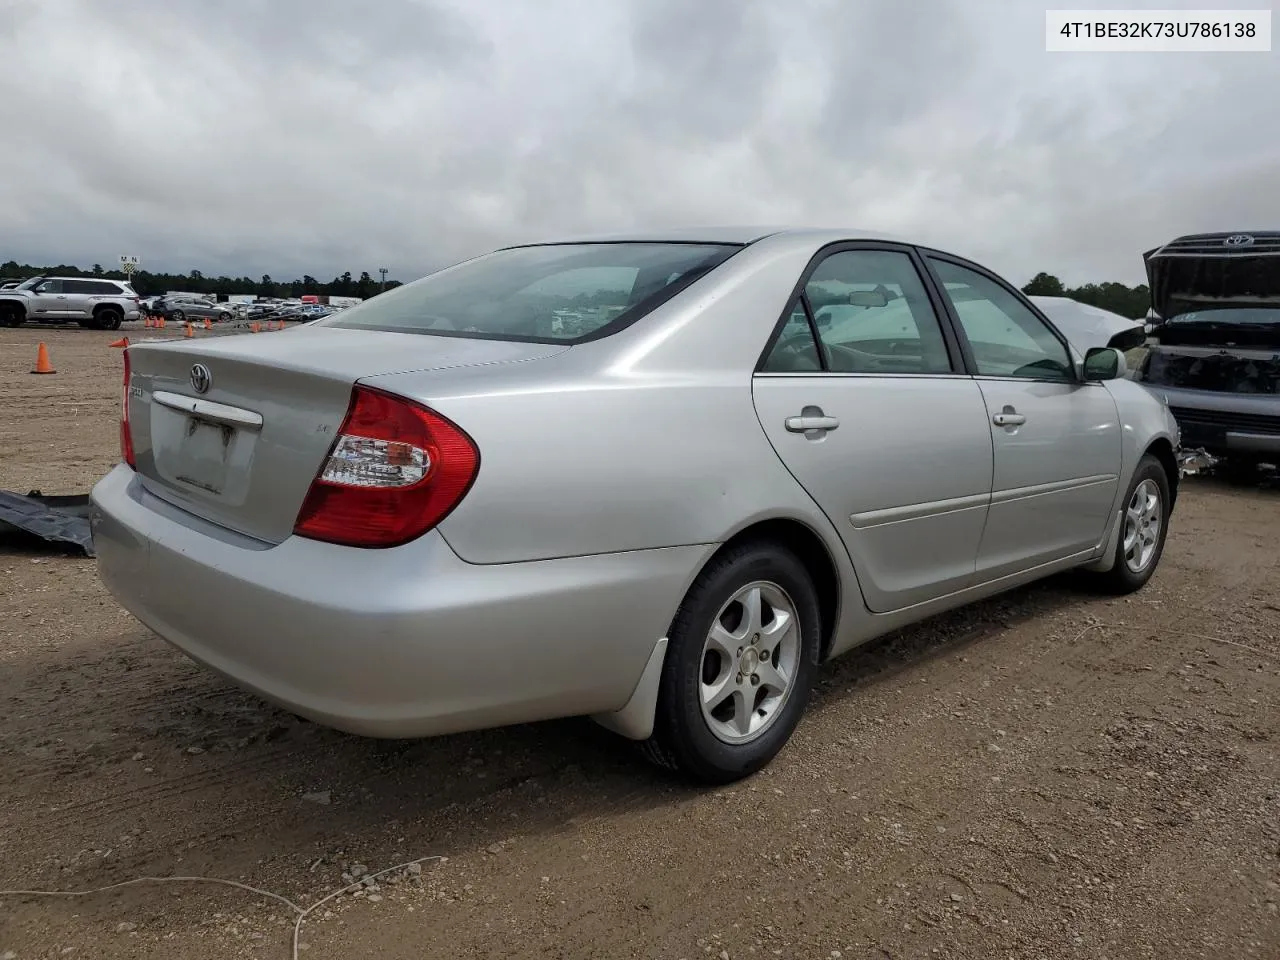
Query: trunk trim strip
x=209, y=410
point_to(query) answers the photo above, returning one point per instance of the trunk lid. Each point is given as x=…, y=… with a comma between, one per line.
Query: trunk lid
x=243, y=452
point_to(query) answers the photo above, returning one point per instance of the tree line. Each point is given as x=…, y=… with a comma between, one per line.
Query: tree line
x=1132, y=302
x=150, y=284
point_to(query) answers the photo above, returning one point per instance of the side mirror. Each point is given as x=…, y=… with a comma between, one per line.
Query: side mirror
x=1104, y=363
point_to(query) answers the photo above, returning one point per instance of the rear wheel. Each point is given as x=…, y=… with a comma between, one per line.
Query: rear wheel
x=741, y=661
x=1144, y=528
x=12, y=315
x=177, y=316
x=108, y=318
x=224, y=318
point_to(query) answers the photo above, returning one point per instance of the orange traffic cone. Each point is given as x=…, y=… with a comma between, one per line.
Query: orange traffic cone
x=146, y=322
x=255, y=327
x=42, y=360
x=281, y=327
x=122, y=342
x=208, y=325
x=191, y=331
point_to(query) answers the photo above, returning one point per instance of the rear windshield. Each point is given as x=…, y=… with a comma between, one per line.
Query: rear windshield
x=549, y=293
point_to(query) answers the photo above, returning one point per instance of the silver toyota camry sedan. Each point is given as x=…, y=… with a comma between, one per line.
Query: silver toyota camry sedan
x=657, y=480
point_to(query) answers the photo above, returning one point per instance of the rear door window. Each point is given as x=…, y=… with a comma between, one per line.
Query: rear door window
x=872, y=315
x=794, y=350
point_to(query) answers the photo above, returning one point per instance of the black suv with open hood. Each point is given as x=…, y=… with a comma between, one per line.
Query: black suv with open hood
x=1215, y=354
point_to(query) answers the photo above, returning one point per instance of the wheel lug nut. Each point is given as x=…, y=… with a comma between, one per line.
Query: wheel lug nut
x=755, y=679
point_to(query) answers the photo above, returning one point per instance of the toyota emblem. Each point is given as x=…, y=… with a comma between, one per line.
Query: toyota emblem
x=1238, y=240
x=201, y=378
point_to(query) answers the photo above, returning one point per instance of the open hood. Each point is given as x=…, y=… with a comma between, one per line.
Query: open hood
x=1214, y=272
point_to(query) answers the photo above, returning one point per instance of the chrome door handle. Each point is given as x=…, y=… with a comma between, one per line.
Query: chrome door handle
x=1008, y=419
x=805, y=424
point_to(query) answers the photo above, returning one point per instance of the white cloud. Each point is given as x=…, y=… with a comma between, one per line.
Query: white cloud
x=316, y=136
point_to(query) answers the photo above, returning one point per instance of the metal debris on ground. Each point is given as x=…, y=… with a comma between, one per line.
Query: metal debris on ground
x=1193, y=462
x=57, y=519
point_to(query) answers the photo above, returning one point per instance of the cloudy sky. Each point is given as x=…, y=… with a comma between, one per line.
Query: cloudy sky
x=316, y=136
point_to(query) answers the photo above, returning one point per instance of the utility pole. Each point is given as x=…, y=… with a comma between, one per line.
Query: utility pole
x=383, y=271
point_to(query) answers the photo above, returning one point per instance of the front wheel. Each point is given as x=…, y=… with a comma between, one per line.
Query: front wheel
x=741, y=661
x=12, y=315
x=1144, y=528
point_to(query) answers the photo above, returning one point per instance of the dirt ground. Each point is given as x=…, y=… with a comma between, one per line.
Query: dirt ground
x=1046, y=775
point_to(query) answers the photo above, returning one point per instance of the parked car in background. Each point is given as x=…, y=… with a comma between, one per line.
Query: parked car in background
x=1087, y=326
x=1215, y=355
x=89, y=301
x=636, y=478
x=179, y=309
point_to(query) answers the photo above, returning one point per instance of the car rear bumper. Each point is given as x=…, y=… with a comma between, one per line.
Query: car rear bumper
x=405, y=642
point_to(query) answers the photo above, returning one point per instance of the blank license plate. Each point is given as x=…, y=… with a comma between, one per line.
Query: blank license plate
x=206, y=449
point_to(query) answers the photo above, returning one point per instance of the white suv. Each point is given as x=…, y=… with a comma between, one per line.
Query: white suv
x=90, y=301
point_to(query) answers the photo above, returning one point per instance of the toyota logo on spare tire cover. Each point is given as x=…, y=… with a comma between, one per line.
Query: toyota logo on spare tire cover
x=1238, y=240
x=201, y=378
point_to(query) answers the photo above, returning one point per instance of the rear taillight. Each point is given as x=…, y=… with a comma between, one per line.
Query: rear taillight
x=396, y=470
x=126, y=435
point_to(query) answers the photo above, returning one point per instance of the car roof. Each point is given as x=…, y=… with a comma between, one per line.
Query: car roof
x=725, y=234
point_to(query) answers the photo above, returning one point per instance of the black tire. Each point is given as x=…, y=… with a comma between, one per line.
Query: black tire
x=12, y=315
x=682, y=738
x=108, y=318
x=177, y=316
x=224, y=318
x=1120, y=579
